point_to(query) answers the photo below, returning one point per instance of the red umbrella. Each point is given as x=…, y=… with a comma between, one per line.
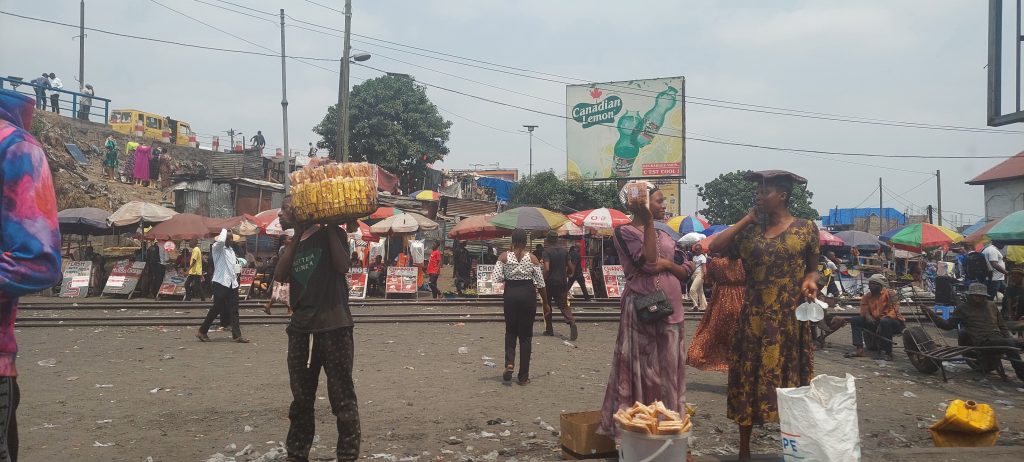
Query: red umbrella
x=827, y=238
x=368, y=236
x=385, y=212
x=602, y=218
x=477, y=227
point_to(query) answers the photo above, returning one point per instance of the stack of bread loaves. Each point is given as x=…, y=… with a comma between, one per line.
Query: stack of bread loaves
x=334, y=193
x=655, y=419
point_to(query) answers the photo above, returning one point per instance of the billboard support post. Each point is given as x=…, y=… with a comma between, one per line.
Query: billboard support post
x=530, y=128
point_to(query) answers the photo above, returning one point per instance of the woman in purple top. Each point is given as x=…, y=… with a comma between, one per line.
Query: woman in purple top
x=650, y=358
x=142, y=156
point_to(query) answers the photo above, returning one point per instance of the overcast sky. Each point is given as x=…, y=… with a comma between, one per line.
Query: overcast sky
x=920, y=61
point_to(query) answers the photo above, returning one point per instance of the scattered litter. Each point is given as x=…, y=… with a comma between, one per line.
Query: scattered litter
x=486, y=358
x=569, y=344
x=454, y=440
x=1004, y=402
x=909, y=394
x=493, y=455
x=106, y=385
x=546, y=426
x=148, y=459
x=531, y=435
x=97, y=444
x=72, y=378
x=247, y=449
x=247, y=429
x=463, y=350
x=230, y=447
x=155, y=390
x=48, y=362
x=490, y=364
x=273, y=455
x=104, y=421
x=390, y=341
x=382, y=456
x=218, y=457
x=497, y=421
x=459, y=324
x=487, y=434
x=505, y=433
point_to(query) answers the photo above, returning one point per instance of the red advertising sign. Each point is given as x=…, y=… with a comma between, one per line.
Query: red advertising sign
x=124, y=276
x=614, y=280
x=356, y=283
x=76, y=279
x=248, y=276
x=173, y=284
x=662, y=169
x=401, y=280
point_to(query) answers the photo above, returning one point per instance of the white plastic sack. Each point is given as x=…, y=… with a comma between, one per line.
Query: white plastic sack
x=376, y=248
x=819, y=421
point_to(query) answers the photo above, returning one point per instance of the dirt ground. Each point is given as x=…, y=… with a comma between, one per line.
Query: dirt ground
x=129, y=394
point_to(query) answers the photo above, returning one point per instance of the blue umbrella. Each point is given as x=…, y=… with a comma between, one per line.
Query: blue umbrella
x=715, y=229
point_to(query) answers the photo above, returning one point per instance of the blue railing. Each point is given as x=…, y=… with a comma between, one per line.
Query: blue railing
x=67, y=106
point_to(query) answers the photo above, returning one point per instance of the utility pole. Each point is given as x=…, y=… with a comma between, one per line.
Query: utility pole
x=880, y=206
x=284, y=113
x=231, y=133
x=341, y=138
x=530, y=128
x=81, y=45
x=938, y=192
x=929, y=211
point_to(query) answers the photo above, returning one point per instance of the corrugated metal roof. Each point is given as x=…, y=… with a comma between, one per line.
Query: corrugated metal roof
x=259, y=183
x=1006, y=170
x=229, y=165
x=461, y=208
x=196, y=185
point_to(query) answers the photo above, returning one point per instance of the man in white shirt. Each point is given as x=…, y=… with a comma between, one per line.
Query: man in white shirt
x=56, y=84
x=86, y=103
x=225, y=288
x=997, y=283
x=697, y=287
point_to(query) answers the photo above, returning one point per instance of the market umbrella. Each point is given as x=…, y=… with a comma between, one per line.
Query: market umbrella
x=88, y=221
x=602, y=218
x=688, y=224
x=181, y=226
x=692, y=238
x=827, y=238
x=662, y=226
x=859, y=239
x=265, y=218
x=136, y=211
x=426, y=195
x=921, y=236
x=385, y=212
x=569, y=229
x=477, y=227
x=1009, y=230
x=403, y=223
x=979, y=234
x=529, y=218
x=713, y=229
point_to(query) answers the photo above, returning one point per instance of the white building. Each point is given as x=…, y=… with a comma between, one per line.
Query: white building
x=1004, y=187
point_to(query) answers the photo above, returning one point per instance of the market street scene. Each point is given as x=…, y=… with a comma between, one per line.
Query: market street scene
x=296, y=230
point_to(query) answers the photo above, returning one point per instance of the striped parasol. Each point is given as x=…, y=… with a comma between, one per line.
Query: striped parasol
x=426, y=195
x=827, y=238
x=602, y=218
x=529, y=218
x=920, y=236
x=688, y=224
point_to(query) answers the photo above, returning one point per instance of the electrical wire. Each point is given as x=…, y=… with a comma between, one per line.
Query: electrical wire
x=237, y=12
x=325, y=6
x=918, y=186
x=872, y=193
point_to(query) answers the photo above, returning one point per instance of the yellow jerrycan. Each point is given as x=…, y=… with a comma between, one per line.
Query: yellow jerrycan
x=966, y=424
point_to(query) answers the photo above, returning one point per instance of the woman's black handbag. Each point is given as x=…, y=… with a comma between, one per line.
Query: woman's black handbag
x=654, y=306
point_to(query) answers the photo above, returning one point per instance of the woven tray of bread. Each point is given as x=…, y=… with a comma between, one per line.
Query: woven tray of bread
x=334, y=193
x=655, y=419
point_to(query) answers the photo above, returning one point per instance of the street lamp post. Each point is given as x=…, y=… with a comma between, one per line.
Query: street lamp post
x=530, y=128
x=341, y=137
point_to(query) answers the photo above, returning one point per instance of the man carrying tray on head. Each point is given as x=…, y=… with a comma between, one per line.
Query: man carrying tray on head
x=314, y=264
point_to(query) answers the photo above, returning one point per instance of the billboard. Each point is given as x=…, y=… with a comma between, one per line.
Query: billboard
x=630, y=129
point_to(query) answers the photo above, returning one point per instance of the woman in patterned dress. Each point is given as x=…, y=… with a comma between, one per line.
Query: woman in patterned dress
x=649, y=362
x=712, y=343
x=128, y=170
x=772, y=349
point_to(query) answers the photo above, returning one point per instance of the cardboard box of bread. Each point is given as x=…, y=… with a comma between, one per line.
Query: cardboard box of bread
x=655, y=419
x=334, y=193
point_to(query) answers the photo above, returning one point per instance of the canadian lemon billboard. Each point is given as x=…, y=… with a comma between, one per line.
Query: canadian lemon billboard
x=630, y=129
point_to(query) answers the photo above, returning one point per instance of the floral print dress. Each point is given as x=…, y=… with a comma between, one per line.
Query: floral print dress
x=712, y=343
x=771, y=349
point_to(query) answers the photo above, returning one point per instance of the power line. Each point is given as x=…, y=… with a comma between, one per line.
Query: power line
x=919, y=185
x=239, y=12
x=870, y=194
x=325, y=6
x=468, y=119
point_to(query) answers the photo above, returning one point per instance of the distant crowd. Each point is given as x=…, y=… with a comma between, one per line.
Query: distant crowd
x=50, y=81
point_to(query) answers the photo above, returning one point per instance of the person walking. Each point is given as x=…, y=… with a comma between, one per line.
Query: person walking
x=225, y=288
x=55, y=84
x=86, y=104
x=521, y=273
x=462, y=266
x=700, y=303
x=649, y=360
x=194, y=280
x=40, y=85
x=712, y=342
x=576, y=271
x=110, y=161
x=30, y=258
x=434, y=269
x=153, y=270
x=314, y=265
x=772, y=349
x=556, y=267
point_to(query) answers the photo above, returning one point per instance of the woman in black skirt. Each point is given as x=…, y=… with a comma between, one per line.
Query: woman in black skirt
x=523, y=278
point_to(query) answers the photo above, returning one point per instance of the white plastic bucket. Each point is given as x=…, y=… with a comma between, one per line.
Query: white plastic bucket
x=639, y=447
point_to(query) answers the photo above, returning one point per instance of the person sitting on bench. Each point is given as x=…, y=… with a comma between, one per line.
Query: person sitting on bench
x=880, y=315
x=979, y=317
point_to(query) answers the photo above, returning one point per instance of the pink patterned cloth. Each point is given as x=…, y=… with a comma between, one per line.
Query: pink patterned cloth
x=142, y=156
x=29, y=235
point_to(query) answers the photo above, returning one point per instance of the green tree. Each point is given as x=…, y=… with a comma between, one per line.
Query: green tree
x=729, y=197
x=393, y=124
x=545, y=189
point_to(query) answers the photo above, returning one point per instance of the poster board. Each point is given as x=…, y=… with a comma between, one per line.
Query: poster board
x=614, y=280
x=124, y=277
x=575, y=289
x=246, y=277
x=485, y=284
x=401, y=280
x=173, y=283
x=356, y=278
x=77, y=275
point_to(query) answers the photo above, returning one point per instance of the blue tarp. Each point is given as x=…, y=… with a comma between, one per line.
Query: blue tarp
x=971, y=229
x=841, y=217
x=502, y=188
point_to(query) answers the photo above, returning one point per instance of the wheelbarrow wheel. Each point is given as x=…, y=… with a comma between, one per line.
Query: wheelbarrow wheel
x=916, y=340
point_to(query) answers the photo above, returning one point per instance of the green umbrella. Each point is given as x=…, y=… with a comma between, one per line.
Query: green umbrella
x=529, y=218
x=1009, y=230
x=920, y=236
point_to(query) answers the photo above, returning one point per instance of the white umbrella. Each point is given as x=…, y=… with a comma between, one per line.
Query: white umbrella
x=403, y=223
x=570, y=229
x=274, y=229
x=136, y=211
x=692, y=238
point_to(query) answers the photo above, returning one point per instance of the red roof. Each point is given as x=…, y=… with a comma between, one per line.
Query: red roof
x=1005, y=170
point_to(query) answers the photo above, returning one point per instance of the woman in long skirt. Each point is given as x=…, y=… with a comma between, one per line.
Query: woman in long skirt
x=712, y=343
x=772, y=349
x=128, y=171
x=523, y=278
x=649, y=362
x=142, y=156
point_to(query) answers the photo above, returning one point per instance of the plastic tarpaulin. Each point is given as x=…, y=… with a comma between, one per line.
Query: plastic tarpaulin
x=846, y=217
x=502, y=188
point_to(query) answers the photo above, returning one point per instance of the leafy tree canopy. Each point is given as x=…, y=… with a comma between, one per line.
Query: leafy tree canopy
x=545, y=189
x=729, y=198
x=393, y=124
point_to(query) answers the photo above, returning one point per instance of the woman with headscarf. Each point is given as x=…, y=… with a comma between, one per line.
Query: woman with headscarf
x=772, y=349
x=142, y=156
x=649, y=362
x=521, y=272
